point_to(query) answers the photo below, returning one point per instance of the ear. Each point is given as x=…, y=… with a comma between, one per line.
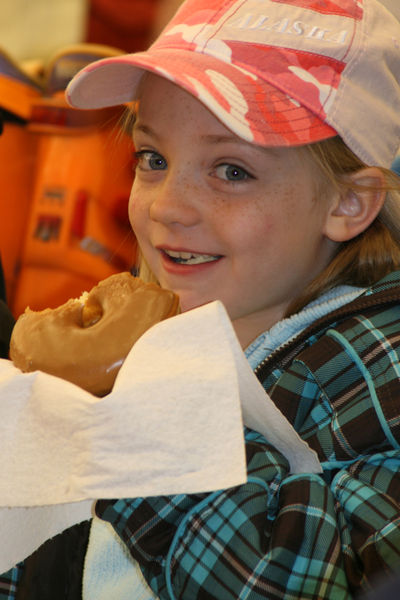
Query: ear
x=353, y=210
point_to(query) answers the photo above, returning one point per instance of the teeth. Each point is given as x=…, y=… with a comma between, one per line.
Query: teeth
x=190, y=258
x=174, y=254
x=200, y=258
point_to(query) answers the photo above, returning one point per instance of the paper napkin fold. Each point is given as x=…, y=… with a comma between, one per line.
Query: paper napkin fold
x=172, y=424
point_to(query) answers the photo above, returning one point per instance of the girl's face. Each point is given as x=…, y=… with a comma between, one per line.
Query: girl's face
x=219, y=218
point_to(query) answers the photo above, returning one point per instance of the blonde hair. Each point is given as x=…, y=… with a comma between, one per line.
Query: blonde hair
x=145, y=273
x=374, y=253
x=366, y=258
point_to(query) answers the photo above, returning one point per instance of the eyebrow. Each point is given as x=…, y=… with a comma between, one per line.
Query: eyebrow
x=210, y=138
x=222, y=139
x=137, y=126
x=233, y=139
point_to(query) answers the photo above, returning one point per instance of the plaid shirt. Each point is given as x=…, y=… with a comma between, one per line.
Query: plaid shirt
x=283, y=536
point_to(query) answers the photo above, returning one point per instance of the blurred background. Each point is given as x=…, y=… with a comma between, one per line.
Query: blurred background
x=66, y=174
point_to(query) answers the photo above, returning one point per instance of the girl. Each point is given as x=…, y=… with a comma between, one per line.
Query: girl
x=263, y=133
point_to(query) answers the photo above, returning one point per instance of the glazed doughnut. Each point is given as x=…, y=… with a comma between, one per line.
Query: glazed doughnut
x=87, y=339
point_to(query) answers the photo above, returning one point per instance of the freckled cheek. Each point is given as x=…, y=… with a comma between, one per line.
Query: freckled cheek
x=260, y=223
x=137, y=199
x=137, y=213
x=131, y=211
x=252, y=237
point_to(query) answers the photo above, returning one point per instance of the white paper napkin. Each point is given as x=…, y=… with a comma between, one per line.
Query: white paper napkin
x=172, y=424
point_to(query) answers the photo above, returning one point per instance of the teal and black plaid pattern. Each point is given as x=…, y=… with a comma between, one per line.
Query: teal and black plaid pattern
x=293, y=537
x=274, y=537
x=283, y=536
x=9, y=583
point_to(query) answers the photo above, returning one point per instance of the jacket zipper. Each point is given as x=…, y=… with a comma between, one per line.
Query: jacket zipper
x=285, y=353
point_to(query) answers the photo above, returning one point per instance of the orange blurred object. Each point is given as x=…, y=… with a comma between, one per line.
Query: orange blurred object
x=17, y=162
x=66, y=178
x=74, y=237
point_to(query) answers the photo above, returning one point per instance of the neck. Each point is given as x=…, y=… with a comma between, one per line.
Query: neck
x=249, y=327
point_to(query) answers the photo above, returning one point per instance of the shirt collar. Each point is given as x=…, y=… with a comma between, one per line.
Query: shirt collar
x=288, y=328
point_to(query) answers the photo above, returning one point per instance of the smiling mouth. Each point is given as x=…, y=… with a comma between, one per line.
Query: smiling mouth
x=191, y=258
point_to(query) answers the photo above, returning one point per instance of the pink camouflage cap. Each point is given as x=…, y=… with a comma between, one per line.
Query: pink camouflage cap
x=275, y=72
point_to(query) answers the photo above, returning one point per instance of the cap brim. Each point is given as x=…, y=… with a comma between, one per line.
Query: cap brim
x=247, y=105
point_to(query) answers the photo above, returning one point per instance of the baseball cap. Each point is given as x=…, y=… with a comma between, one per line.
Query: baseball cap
x=274, y=72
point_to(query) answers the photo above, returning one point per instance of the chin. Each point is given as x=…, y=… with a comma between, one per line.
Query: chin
x=190, y=304
x=186, y=306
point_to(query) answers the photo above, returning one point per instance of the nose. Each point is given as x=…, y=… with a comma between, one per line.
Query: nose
x=175, y=201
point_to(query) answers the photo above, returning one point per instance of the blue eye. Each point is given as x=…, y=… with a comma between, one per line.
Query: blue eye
x=148, y=160
x=232, y=173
